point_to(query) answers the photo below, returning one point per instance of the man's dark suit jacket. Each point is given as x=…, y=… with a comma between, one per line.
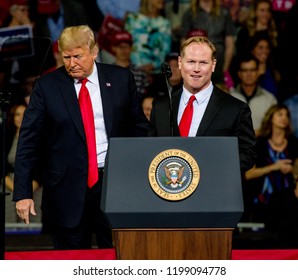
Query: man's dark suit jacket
x=224, y=116
x=53, y=126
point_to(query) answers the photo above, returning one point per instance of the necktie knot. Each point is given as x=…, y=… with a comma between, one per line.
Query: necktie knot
x=84, y=97
x=84, y=89
x=84, y=81
x=191, y=99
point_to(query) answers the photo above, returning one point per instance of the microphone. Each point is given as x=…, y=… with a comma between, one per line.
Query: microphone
x=166, y=70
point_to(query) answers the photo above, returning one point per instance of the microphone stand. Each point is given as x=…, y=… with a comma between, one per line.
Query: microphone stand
x=166, y=70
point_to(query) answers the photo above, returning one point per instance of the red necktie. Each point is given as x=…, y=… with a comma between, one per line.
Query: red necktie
x=185, y=121
x=88, y=121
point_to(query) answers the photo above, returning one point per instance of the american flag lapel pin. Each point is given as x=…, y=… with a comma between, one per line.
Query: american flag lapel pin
x=108, y=84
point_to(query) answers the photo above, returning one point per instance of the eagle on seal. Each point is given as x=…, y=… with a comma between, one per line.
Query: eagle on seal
x=174, y=176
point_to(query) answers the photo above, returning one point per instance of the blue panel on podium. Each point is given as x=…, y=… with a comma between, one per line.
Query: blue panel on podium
x=130, y=202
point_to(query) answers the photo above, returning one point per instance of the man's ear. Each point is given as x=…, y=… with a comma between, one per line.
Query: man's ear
x=179, y=62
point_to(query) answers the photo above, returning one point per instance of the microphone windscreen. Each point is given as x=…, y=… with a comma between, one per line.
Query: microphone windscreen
x=166, y=69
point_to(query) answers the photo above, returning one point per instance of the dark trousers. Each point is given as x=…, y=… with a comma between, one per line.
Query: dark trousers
x=93, y=223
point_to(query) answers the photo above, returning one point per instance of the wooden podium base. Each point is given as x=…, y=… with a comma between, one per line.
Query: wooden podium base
x=173, y=244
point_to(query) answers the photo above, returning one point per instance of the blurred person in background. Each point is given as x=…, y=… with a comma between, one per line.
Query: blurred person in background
x=12, y=67
x=259, y=22
x=164, y=85
x=212, y=19
x=147, y=105
x=18, y=14
x=118, y=8
x=292, y=104
x=14, y=121
x=269, y=76
x=122, y=48
x=277, y=150
x=151, y=33
x=174, y=11
x=114, y=12
x=175, y=80
x=250, y=91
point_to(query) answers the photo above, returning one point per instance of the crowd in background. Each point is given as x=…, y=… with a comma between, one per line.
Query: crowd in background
x=256, y=62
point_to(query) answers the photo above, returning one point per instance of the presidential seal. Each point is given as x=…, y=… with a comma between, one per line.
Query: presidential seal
x=174, y=174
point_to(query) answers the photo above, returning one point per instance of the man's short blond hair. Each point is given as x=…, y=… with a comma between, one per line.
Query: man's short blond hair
x=199, y=40
x=76, y=37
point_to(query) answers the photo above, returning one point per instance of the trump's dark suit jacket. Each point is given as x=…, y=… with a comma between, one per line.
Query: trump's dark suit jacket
x=52, y=126
x=224, y=116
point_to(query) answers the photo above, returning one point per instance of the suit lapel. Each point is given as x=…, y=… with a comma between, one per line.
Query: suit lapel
x=213, y=107
x=69, y=95
x=176, y=100
x=106, y=89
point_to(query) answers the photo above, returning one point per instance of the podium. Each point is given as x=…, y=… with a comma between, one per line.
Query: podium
x=146, y=225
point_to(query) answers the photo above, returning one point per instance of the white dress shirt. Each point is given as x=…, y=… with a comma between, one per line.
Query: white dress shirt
x=199, y=105
x=100, y=130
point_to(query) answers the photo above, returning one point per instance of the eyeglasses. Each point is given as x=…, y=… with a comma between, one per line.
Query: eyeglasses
x=245, y=70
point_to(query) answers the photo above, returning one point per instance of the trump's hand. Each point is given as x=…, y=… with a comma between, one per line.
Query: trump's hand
x=24, y=207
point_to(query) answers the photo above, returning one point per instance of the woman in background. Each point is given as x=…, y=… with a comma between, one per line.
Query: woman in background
x=214, y=21
x=151, y=33
x=269, y=76
x=260, y=22
x=277, y=150
x=15, y=117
